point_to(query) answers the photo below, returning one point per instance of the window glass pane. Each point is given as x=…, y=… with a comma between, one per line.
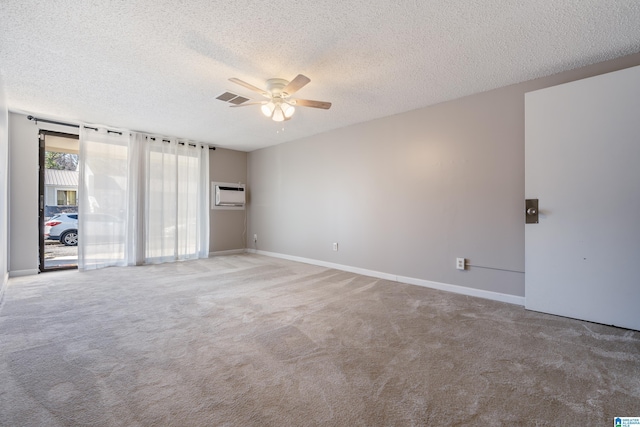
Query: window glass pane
x=66, y=198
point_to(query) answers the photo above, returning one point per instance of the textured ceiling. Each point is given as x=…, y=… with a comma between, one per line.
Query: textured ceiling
x=157, y=65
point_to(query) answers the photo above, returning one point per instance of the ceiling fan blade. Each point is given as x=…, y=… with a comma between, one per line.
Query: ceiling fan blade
x=296, y=84
x=314, y=104
x=249, y=86
x=247, y=103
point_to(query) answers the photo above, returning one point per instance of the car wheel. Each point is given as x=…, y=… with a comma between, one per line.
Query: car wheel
x=69, y=238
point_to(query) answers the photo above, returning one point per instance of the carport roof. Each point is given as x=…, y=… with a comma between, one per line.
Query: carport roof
x=61, y=178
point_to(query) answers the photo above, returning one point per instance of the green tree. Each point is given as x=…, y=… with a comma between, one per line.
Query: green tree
x=60, y=161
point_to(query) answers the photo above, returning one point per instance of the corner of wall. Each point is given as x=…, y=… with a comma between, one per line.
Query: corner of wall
x=4, y=190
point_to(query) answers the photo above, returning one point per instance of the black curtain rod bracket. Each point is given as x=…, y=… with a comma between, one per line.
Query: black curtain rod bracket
x=35, y=119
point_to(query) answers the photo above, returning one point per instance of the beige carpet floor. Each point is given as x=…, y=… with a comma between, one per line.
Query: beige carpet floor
x=248, y=340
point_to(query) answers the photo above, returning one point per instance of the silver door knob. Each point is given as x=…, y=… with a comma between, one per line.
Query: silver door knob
x=531, y=211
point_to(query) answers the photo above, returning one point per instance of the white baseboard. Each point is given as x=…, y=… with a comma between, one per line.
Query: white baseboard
x=229, y=252
x=20, y=273
x=463, y=290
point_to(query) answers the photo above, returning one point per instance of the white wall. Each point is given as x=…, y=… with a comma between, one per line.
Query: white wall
x=4, y=188
x=23, y=192
x=405, y=195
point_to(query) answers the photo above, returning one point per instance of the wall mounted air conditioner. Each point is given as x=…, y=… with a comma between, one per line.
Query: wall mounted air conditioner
x=227, y=195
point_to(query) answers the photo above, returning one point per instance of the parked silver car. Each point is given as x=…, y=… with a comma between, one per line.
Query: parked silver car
x=63, y=227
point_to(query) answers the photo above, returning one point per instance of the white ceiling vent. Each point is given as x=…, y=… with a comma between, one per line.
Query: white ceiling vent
x=232, y=98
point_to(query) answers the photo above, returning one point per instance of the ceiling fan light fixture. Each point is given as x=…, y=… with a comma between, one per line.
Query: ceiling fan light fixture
x=267, y=109
x=288, y=110
x=278, y=114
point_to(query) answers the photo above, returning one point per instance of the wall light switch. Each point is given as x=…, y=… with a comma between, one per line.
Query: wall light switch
x=460, y=263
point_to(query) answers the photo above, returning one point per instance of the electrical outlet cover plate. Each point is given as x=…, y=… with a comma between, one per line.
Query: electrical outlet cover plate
x=335, y=246
x=460, y=263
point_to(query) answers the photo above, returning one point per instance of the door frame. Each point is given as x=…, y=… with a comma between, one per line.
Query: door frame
x=42, y=134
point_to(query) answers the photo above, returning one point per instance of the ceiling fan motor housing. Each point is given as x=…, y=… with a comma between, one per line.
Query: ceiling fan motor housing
x=279, y=108
x=275, y=86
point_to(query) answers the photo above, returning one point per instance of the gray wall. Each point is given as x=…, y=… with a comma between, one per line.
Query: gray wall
x=4, y=189
x=227, y=226
x=407, y=194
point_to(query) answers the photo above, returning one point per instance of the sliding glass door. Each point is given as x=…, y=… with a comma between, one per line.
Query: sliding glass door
x=58, y=200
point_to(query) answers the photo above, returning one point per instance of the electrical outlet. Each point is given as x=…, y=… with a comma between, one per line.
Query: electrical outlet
x=255, y=238
x=460, y=263
x=335, y=247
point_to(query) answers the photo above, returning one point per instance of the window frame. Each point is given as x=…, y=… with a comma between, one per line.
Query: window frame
x=66, y=196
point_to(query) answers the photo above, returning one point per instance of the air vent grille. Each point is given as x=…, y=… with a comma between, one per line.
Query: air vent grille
x=232, y=98
x=238, y=100
x=227, y=96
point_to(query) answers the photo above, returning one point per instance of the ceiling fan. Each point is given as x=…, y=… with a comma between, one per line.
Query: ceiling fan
x=279, y=105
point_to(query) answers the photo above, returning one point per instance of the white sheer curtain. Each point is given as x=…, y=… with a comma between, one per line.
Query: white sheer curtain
x=105, y=193
x=161, y=205
x=142, y=199
x=177, y=226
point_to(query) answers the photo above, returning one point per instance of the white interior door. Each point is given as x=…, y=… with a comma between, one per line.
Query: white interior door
x=582, y=156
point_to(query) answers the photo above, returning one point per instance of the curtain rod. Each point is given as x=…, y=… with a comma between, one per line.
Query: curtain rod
x=36, y=119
